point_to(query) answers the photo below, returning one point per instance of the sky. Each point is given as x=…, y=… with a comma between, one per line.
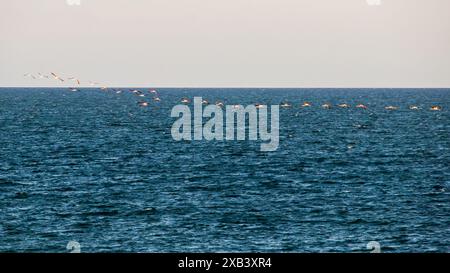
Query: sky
x=227, y=43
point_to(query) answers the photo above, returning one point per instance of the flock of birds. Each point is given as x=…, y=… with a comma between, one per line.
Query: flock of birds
x=361, y=106
x=77, y=82
x=155, y=95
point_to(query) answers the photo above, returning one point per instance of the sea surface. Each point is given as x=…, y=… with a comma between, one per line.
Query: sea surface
x=94, y=167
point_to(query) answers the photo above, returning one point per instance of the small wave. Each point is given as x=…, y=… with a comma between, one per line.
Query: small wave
x=357, y=221
x=21, y=195
x=102, y=213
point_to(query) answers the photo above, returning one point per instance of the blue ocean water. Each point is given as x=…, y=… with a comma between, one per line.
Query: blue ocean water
x=93, y=167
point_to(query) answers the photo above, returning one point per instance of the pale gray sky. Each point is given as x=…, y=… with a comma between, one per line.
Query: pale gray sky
x=228, y=43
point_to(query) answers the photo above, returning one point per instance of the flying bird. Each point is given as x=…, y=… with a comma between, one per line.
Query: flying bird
x=75, y=80
x=56, y=77
x=29, y=75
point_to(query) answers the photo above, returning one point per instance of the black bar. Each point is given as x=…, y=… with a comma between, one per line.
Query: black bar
x=224, y=262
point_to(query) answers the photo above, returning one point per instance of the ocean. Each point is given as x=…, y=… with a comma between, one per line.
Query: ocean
x=94, y=167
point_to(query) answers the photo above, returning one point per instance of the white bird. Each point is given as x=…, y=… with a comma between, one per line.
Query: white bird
x=362, y=106
x=285, y=105
x=56, y=77
x=143, y=103
x=326, y=106
x=436, y=108
x=75, y=80
x=29, y=75
x=390, y=107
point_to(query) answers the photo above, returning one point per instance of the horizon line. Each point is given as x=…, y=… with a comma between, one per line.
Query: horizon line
x=218, y=87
